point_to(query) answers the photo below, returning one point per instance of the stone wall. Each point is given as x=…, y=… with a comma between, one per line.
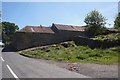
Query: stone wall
x=84, y=41
x=23, y=40
x=70, y=34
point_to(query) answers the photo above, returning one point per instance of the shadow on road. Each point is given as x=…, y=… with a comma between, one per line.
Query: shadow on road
x=9, y=48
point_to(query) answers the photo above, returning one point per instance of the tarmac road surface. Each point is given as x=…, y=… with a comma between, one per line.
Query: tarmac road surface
x=17, y=66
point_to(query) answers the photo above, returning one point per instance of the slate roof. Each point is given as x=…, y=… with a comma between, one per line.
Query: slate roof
x=37, y=29
x=69, y=27
x=43, y=29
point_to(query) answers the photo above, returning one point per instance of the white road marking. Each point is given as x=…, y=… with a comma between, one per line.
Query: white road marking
x=15, y=76
x=2, y=59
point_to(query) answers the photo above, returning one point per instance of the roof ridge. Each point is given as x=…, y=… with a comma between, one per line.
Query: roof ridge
x=42, y=29
x=68, y=25
x=63, y=24
x=35, y=26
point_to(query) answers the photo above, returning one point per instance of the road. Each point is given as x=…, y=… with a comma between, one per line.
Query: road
x=17, y=66
x=0, y=64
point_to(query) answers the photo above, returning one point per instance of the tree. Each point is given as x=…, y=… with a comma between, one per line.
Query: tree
x=0, y=16
x=8, y=30
x=117, y=22
x=0, y=27
x=95, y=23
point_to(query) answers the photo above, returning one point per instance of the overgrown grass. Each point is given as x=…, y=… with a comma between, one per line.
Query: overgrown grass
x=108, y=37
x=70, y=52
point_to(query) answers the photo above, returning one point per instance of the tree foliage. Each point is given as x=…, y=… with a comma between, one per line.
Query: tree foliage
x=8, y=30
x=117, y=22
x=95, y=18
x=0, y=26
x=0, y=16
x=95, y=23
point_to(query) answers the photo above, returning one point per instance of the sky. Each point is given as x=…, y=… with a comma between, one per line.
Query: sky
x=46, y=13
x=59, y=0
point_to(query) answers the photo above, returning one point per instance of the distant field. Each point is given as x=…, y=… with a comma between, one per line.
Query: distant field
x=68, y=51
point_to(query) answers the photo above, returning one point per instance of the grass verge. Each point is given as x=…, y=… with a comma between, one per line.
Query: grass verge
x=68, y=51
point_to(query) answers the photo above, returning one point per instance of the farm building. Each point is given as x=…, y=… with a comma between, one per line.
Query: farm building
x=32, y=36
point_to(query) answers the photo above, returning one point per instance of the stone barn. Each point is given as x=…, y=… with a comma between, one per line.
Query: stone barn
x=67, y=32
x=33, y=36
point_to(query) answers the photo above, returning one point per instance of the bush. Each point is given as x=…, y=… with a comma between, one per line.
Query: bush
x=109, y=37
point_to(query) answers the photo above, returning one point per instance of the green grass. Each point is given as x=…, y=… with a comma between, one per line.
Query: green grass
x=108, y=37
x=75, y=53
